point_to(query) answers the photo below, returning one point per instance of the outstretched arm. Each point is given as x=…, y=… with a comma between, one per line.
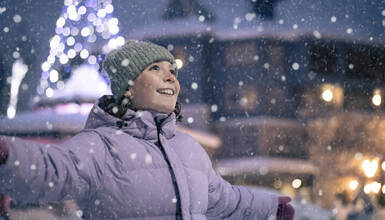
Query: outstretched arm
x=238, y=202
x=35, y=172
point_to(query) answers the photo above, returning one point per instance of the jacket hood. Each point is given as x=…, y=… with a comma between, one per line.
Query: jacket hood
x=141, y=124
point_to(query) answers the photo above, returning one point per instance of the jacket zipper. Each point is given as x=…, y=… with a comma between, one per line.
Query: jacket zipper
x=175, y=184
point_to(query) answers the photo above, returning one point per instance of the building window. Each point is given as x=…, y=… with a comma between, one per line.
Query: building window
x=275, y=54
x=357, y=99
x=240, y=54
x=323, y=59
x=241, y=99
x=275, y=100
x=365, y=63
x=184, y=8
x=264, y=8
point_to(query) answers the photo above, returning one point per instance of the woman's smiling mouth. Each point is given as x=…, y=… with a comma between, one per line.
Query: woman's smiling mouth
x=166, y=91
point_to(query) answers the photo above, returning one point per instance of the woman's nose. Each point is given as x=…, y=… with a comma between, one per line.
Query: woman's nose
x=170, y=77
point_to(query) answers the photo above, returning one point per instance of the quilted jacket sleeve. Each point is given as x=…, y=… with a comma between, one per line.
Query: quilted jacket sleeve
x=228, y=201
x=36, y=172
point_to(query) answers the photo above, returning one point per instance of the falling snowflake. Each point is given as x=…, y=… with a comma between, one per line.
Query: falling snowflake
x=191, y=58
x=170, y=47
x=349, y=30
x=250, y=16
x=317, y=34
x=125, y=62
x=214, y=108
x=16, y=55
x=190, y=120
x=194, y=85
x=358, y=156
x=33, y=167
x=148, y=159
x=24, y=86
x=2, y=10
x=295, y=66
x=17, y=18
x=236, y=22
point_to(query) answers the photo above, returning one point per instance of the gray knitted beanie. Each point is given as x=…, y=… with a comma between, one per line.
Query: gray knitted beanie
x=125, y=64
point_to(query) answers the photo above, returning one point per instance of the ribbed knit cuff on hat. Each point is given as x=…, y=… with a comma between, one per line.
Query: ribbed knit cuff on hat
x=3, y=152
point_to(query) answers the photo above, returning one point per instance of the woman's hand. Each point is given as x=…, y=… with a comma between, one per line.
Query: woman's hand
x=285, y=210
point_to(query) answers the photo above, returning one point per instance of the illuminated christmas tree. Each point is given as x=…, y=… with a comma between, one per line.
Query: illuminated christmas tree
x=85, y=32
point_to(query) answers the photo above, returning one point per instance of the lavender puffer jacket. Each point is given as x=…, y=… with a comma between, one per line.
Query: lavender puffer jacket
x=134, y=167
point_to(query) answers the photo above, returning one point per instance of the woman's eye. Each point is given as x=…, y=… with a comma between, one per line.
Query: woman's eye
x=155, y=67
x=173, y=72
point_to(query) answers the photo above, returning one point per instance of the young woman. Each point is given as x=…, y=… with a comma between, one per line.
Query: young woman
x=130, y=162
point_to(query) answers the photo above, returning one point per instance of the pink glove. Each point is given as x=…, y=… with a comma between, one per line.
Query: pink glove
x=3, y=152
x=285, y=210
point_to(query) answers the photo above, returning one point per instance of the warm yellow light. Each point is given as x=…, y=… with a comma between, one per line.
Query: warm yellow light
x=376, y=186
x=383, y=165
x=376, y=99
x=367, y=188
x=353, y=184
x=179, y=63
x=296, y=183
x=327, y=95
x=370, y=167
x=373, y=187
x=383, y=189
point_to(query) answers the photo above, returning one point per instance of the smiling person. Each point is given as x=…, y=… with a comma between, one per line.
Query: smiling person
x=130, y=162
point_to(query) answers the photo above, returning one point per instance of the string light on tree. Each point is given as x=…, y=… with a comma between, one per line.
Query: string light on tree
x=81, y=30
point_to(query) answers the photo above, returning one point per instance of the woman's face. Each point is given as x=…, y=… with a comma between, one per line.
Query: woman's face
x=156, y=88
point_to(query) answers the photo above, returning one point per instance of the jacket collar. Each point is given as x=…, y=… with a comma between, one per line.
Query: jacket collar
x=140, y=124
